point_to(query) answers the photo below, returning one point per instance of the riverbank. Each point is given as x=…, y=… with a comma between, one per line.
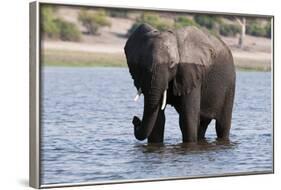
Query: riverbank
x=82, y=59
x=106, y=48
x=70, y=58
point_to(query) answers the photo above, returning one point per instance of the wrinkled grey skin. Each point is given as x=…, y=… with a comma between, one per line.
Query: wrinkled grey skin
x=198, y=73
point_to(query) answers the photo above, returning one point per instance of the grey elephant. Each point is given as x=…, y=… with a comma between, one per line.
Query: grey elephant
x=189, y=69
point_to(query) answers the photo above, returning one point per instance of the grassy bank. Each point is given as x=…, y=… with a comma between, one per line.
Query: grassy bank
x=252, y=64
x=90, y=59
x=82, y=59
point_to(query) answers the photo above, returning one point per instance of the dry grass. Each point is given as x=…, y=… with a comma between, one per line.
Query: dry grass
x=90, y=59
x=82, y=59
x=252, y=64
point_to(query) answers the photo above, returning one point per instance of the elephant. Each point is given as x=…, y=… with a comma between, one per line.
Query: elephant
x=187, y=68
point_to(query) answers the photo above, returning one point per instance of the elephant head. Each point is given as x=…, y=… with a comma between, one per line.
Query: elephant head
x=151, y=57
x=155, y=59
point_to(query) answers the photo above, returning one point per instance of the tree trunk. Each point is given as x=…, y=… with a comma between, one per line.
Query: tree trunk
x=243, y=32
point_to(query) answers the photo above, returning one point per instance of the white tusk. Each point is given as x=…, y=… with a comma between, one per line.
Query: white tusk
x=138, y=95
x=164, y=100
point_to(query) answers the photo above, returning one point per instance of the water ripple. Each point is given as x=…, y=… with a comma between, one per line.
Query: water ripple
x=87, y=133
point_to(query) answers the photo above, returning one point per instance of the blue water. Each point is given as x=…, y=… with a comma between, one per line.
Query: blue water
x=87, y=135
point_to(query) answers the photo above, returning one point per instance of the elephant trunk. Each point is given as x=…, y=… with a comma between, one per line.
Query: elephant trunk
x=143, y=128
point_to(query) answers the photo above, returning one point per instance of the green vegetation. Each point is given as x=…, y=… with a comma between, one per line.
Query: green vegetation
x=256, y=28
x=152, y=19
x=156, y=21
x=183, y=21
x=268, y=30
x=216, y=25
x=82, y=59
x=119, y=13
x=93, y=20
x=88, y=59
x=207, y=21
x=68, y=30
x=229, y=29
x=55, y=28
x=48, y=26
x=161, y=24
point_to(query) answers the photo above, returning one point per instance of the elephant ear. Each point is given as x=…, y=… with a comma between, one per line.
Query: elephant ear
x=196, y=56
x=135, y=50
x=188, y=77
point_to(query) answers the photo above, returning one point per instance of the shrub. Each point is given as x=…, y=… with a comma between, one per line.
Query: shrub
x=152, y=19
x=164, y=26
x=268, y=30
x=93, y=20
x=155, y=20
x=255, y=29
x=259, y=27
x=206, y=20
x=229, y=29
x=68, y=30
x=118, y=13
x=54, y=27
x=182, y=21
x=48, y=26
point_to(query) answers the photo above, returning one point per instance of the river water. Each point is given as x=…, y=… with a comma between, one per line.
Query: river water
x=87, y=135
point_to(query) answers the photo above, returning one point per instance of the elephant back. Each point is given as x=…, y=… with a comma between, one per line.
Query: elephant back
x=195, y=47
x=198, y=51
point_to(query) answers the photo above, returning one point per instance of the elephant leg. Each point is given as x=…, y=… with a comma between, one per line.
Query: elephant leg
x=223, y=128
x=223, y=122
x=157, y=134
x=189, y=115
x=204, y=122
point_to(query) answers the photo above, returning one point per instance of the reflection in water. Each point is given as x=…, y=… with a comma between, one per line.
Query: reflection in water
x=185, y=148
x=87, y=133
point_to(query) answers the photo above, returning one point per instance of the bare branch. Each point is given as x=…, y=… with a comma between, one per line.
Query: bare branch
x=239, y=21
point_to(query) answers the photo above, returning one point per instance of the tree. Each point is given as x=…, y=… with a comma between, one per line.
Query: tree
x=93, y=20
x=242, y=23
